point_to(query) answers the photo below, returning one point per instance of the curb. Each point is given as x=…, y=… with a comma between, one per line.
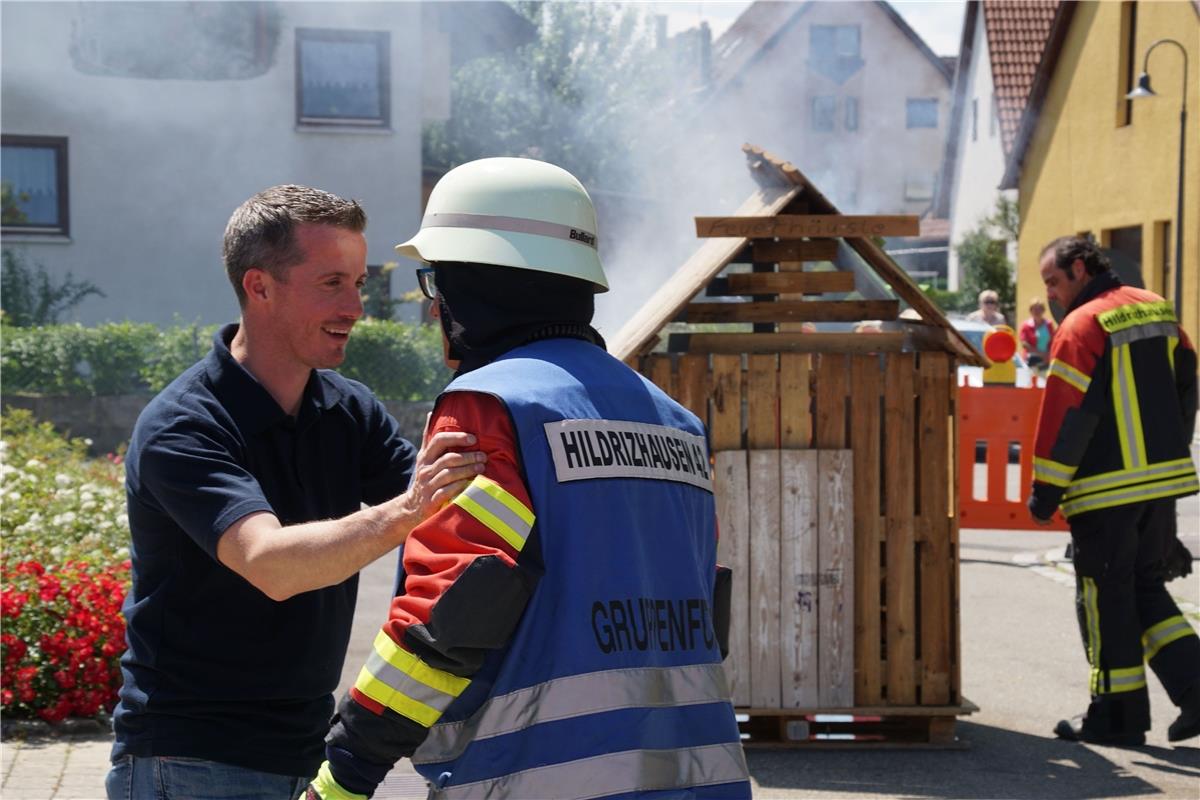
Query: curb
x=40, y=729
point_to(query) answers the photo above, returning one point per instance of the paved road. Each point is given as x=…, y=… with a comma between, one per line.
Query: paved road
x=1022, y=664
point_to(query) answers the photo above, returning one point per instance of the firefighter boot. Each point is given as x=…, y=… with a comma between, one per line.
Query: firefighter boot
x=1188, y=723
x=1118, y=721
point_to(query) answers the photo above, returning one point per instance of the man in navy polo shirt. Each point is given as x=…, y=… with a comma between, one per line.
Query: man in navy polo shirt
x=246, y=479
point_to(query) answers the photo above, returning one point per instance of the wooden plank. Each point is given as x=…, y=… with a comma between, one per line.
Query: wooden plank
x=830, y=425
x=762, y=394
x=835, y=591
x=866, y=378
x=795, y=342
x=674, y=293
x=801, y=226
x=799, y=574
x=899, y=443
x=904, y=286
x=937, y=373
x=795, y=401
x=792, y=250
x=732, y=489
x=658, y=370
x=792, y=310
x=725, y=422
x=784, y=282
x=765, y=673
x=691, y=385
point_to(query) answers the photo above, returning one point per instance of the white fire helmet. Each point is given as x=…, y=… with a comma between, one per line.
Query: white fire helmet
x=511, y=212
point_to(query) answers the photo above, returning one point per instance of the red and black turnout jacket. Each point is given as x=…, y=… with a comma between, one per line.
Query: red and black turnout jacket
x=1119, y=409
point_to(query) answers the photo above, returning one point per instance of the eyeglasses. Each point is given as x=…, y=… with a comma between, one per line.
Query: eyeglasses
x=426, y=281
x=991, y=302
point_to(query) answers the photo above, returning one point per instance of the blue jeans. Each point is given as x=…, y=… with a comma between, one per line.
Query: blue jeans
x=177, y=778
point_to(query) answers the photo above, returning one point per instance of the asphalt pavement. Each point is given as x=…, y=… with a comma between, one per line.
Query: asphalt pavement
x=1023, y=665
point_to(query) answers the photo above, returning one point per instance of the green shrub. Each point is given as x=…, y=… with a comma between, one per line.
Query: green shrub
x=397, y=360
x=65, y=572
x=74, y=360
x=178, y=347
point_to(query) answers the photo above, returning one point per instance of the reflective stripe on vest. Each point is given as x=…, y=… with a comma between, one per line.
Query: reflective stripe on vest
x=396, y=678
x=1128, y=411
x=576, y=696
x=1127, y=477
x=1073, y=377
x=1091, y=616
x=501, y=512
x=1159, y=636
x=1052, y=472
x=615, y=773
x=1116, y=681
x=1139, y=332
x=1172, y=487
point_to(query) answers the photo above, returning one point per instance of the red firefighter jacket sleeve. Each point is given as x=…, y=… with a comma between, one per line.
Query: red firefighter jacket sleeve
x=1065, y=424
x=464, y=591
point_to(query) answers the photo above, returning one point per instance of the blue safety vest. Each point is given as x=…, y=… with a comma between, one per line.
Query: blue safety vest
x=612, y=684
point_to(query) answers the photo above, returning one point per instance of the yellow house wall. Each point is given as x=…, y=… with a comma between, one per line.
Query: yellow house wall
x=1084, y=173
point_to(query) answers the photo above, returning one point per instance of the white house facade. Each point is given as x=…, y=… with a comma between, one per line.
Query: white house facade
x=132, y=131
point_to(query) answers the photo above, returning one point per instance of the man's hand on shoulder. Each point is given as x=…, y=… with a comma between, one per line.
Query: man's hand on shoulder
x=442, y=471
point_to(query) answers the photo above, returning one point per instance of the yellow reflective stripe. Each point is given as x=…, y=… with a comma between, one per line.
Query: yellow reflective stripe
x=1052, y=472
x=402, y=704
x=1127, y=477
x=329, y=789
x=1064, y=371
x=497, y=509
x=431, y=686
x=1115, y=681
x=1159, y=636
x=1135, y=314
x=1128, y=410
x=1172, y=341
x=1091, y=613
x=1173, y=487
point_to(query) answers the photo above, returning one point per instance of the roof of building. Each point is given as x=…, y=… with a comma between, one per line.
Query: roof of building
x=762, y=24
x=1017, y=32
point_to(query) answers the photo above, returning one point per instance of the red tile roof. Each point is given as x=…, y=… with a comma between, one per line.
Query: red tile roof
x=1017, y=31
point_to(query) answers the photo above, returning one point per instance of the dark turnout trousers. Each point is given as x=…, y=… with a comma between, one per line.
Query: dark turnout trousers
x=1126, y=616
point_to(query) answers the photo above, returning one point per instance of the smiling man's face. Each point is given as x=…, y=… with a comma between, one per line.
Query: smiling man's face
x=315, y=308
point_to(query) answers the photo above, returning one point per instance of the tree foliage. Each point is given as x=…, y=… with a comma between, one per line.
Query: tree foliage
x=31, y=297
x=983, y=259
x=572, y=96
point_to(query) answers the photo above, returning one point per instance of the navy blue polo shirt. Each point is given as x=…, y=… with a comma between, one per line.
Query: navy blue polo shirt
x=216, y=669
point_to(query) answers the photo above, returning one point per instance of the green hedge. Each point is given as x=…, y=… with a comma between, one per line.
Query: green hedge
x=397, y=360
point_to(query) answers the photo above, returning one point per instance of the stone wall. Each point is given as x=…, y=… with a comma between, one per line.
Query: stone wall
x=108, y=421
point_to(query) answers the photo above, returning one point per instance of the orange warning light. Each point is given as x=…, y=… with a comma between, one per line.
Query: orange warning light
x=1000, y=344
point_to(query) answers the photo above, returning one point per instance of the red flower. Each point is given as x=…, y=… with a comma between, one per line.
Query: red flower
x=12, y=602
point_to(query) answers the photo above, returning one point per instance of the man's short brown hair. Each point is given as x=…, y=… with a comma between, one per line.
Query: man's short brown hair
x=262, y=231
x=1067, y=249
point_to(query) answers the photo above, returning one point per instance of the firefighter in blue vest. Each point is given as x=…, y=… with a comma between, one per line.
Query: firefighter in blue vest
x=559, y=631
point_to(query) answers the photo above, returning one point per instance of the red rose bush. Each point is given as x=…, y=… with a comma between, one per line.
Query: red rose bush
x=65, y=572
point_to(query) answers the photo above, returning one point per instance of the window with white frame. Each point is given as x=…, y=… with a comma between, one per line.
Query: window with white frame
x=342, y=77
x=33, y=176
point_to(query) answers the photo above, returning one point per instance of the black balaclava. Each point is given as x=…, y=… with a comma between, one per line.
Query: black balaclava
x=488, y=310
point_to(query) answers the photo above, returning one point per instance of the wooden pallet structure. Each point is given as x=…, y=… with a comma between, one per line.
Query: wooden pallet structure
x=834, y=464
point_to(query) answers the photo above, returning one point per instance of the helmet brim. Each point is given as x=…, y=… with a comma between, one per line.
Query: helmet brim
x=507, y=249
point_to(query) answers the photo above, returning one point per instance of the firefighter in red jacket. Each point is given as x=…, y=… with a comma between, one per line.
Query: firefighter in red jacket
x=1111, y=451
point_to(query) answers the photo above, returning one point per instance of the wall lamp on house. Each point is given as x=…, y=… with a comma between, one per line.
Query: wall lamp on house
x=1143, y=90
